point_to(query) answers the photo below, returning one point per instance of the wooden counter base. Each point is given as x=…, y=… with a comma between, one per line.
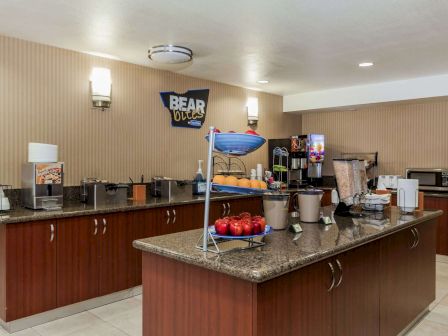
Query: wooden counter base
x=380, y=288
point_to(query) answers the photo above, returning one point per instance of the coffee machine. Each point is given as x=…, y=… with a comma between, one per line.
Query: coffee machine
x=307, y=156
x=42, y=185
x=298, y=166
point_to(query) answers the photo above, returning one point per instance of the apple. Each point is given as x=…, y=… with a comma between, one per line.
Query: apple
x=252, y=132
x=235, y=218
x=236, y=228
x=245, y=215
x=248, y=228
x=261, y=221
x=222, y=227
x=257, y=228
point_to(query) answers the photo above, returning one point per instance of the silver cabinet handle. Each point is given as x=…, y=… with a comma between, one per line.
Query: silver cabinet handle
x=228, y=209
x=414, y=244
x=340, y=270
x=51, y=232
x=104, y=226
x=333, y=279
x=174, y=214
x=95, y=221
x=418, y=237
x=168, y=214
x=224, y=210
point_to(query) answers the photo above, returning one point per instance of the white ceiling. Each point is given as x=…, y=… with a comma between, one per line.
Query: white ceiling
x=299, y=45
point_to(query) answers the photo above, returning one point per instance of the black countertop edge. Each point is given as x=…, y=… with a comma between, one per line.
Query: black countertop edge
x=259, y=277
x=77, y=209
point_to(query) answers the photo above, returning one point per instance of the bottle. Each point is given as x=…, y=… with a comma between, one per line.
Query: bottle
x=199, y=182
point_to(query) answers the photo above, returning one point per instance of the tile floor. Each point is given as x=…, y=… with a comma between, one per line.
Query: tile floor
x=123, y=318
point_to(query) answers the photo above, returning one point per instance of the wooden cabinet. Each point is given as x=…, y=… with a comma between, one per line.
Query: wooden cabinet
x=407, y=276
x=116, y=270
x=333, y=297
x=297, y=303
x=78, y=248
x=219, y=209
x=356, y=296
x=29, y=268
x=326, y=198
x=440, y=203
x=336, y=296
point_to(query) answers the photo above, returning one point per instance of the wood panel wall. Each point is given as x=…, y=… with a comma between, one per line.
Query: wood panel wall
x=405, y=135
x=44, y=97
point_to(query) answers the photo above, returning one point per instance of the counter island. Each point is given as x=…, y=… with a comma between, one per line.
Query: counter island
x=358, y=276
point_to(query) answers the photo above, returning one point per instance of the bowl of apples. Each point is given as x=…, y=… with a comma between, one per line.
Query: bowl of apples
x=244, y=226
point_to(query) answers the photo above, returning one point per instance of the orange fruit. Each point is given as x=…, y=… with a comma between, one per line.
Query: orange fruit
x=263, y=185
x=255, y=184
x=219, y=179
x=231, y=180
x=244, y=182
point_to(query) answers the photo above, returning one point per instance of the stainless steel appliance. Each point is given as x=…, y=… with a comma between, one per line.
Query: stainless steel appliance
x=42, y=185
x=100, y=193
x=175, y=188
x=429, y=179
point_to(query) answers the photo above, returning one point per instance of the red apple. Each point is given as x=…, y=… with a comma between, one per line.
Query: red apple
x=236, y=228
x=222, y=227
x=252, y=132
x=248, y=228
x=245, y=215
x=257, y=228
x=260, y=220
x=235, y=218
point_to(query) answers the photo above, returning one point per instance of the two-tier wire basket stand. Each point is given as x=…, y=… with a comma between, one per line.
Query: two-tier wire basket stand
x=207, y=242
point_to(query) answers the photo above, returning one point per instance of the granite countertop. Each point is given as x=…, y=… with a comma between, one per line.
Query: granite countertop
x=285, y=251
x=73, y=209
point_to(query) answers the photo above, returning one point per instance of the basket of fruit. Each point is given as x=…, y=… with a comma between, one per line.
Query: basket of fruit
x=243, y=226
x=232, y=184
x=233, y=143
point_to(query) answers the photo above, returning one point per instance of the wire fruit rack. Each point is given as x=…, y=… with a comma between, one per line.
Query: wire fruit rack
x=229, y=144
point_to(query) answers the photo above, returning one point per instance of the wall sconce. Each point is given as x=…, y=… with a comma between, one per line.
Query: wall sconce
x=101, y=86
x=252, y=111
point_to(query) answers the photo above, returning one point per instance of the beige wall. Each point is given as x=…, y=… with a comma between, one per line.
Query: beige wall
x=405, y=135
x=44, y=97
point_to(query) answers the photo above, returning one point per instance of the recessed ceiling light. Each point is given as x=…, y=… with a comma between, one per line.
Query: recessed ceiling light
x=365, y=64
x=262, y=81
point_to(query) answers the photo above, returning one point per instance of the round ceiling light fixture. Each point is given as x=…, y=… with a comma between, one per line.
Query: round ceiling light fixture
x=170, y=54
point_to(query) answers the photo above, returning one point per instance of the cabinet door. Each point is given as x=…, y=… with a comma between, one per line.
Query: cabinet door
x=439, y=203
x=190, y=217
x=297, y=303
x=144, y=224
x=77, y=262
x=116, y=270
x=423, y=268
x=252, y=205
x=218, y=209
x=356, y=301
x=31, y=268
x=396, y=271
